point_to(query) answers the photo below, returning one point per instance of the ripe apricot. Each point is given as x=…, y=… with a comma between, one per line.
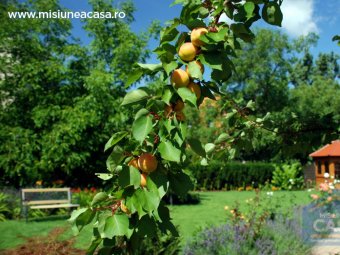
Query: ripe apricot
x=134, y=163
x=147, y=163
x=187, y=52
x=180, y=116
x=167, y=110
x=194, y=87
x=179, y=106
x=180, y=78
x=195, y=36
x=124, y=208
x=143, y=180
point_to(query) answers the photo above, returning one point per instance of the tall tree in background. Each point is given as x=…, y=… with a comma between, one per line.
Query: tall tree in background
x=59, y=100
x=282, y=79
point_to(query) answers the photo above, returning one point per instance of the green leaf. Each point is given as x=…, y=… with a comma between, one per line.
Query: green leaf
x=180, y=183
x=213, y=60
x=178, y=2
x=75, y=214
x=187, y=95
x=336, y=38
x=158, y=182
x=242, y=31
x=195, y=23
x=204, y=162
x=104, y=176
x=196, y=147
x=98, y=198
x=169, y=33
x=209, y=147
x=136, y=202
x=151, y=201
x=152, y=68
x=80, y=218
x=134, y=76
x=141, y=113
x=218, y=36
x=116, y=138
x=116, y=225
x=129, y=176
x=169, y=152
x=167, y=95
x=195, y=70
x=115, y=158
x=249, y=7
x=134, y=96
x=147, y=227
x=222, y=138
x=169, y=67
x=168, y=125
x=142, y=127
x=272, y=14
x=94, y=245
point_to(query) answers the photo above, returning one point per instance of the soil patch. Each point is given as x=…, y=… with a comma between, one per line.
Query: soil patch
x=47, y=245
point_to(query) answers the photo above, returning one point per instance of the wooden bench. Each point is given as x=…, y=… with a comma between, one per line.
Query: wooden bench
x=46, y=198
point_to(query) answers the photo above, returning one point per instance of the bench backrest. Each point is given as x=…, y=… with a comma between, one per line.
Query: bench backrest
x=44, y=196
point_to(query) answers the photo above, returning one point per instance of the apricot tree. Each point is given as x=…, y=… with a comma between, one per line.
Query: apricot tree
x=149, y=160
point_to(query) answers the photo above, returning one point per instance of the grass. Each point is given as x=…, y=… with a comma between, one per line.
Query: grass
x=188, y=218
x=192, y=218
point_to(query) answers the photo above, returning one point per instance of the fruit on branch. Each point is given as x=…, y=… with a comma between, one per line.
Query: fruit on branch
x=124, y=208
x=194, y=87
x=167, y=111
x=201, y=66
x=143, y=180
x=147, y=163
x=180, y=78
x=187, y=52
x=180, y=116
x=179, y=106
x=195, y=36
x=134, y=163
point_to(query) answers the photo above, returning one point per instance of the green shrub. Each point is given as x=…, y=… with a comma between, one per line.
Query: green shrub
x=83, y=197
x=220, y=175
x=288, y=176
x=3, y=207
x=189, y=199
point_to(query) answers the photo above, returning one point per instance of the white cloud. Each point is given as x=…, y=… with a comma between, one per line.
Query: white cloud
x=298, y=17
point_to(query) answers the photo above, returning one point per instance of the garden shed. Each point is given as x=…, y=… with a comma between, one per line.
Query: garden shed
x=327, y=160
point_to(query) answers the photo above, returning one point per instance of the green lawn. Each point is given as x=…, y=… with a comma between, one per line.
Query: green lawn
x=189, y=218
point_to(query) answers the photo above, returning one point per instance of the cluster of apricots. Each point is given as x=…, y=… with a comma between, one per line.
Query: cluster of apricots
x=145, y=163
x=181, y=78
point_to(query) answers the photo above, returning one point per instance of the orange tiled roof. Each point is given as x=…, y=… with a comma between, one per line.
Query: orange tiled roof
x=329, y=150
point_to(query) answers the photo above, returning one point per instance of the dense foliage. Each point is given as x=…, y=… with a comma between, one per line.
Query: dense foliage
x=294, y=90
x=149, y=160
x=221, y=175
x=59, y=99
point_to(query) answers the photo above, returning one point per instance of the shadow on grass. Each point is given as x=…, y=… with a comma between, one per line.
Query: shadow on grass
x=48, y=218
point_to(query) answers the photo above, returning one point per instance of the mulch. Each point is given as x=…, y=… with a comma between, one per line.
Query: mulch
x=47, y=245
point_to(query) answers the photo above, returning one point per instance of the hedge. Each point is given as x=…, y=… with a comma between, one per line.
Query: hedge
x=226, y=176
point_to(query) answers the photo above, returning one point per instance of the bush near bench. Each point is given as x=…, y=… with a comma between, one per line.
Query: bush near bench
x=228, y=176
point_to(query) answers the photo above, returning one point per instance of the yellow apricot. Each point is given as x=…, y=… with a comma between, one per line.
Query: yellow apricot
x=195, y=36
x=180, y=78
x=194, y=87
x=147, y=163
x=179, y=106
x=187, y=52
x=143, y=180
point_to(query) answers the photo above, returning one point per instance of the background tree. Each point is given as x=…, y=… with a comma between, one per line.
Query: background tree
x=60, y=99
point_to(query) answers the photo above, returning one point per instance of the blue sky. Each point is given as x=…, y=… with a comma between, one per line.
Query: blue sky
x=300, y=17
